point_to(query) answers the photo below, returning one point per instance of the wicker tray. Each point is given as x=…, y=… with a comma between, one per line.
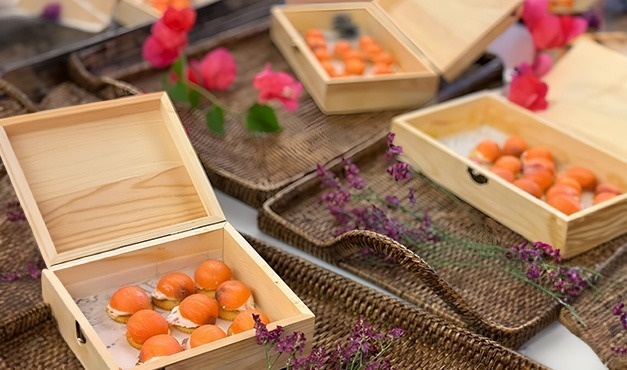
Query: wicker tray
x=603, y=330
x=253, y=168
x=429, y=342
x=488, y=301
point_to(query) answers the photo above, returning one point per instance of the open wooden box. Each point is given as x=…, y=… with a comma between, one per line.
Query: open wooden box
x=89, y=16
x=438, y=140
x=135, y=12
x=115, y=195
x=427, y=39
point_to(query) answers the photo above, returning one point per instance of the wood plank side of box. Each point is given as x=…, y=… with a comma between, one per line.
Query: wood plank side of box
x=115, y=195
x=421, y=134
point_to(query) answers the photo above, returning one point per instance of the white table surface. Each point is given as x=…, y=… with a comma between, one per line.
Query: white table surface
x=554, y=347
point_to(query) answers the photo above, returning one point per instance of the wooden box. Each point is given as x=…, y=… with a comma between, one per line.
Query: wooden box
x=90, y=16
x=427, y=39
x=115, y=195
x=135, y=12
x=438, y=140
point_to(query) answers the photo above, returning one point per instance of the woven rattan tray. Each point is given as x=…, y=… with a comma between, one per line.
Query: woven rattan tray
x=429, y=341
x=253, y=168
x=603, y=331
x=485, y=300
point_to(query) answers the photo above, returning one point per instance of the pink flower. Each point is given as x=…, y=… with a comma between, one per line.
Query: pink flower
x=278, y=85
x=167, y=37
x=216, y=71
x=527, y=90
x=550, y=31
x=542, y=64
x=179, y=20
x=157, y=55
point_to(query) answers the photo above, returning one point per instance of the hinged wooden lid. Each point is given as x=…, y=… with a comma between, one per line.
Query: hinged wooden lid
x=588, y=95
x=96, y=177
x=451, y=34
x=89, y=16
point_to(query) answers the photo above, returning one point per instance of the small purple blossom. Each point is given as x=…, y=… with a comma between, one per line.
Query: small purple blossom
x=11, y=276
x=412, y=196
x=51, y=11
x=618, y=308
x=393, y=150
x=392, y=201
x=400, y=171
x=13, y=211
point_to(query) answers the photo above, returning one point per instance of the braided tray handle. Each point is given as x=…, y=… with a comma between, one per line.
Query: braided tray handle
x=84, y=78
x=353, y=241
x=17, y=95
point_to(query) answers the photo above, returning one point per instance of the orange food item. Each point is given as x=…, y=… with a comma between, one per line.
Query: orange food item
x=353, y=54
x=245, y=321
x=564, y=203
x=563, y=189
x=322, y=54
x=354, y=67
x=172, y=288
x=382, y=57
x=515, y=145
x=603, y=196
x=144, y=324
x=537, y=152
x=508, y=162
x=329, y=67
x=126, y=301
x=506, y=174
x=197, y=308
x=341, y=47
x=232, y=296
x=161, y=5
x=541, y=176
x=539, y=163
x=205, y=334
x=315, y=42
x=210, y=274
x=486, y=152
x=606, y=187
x=366, y=40
x=314, y=32
x=585, y=177
x=568, y=181
x=529, y=186
x=381, y=69
x=371, y=49
x=159, y=346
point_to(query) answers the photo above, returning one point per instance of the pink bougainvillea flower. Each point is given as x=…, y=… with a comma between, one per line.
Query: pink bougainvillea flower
x=179, y=20
x=278, y=86
x=542, y=64
x=167, y=37
x=548, y=30
x=216, y=71
x=157, y=55
x=527, y=90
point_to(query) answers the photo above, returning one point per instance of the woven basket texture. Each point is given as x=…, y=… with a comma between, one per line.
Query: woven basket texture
x=254, y=167
x=603, y=331
x=487, y=300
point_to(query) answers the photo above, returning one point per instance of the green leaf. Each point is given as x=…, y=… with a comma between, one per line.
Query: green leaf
x=179, y=92
x=261, y=118
x=215, y=119
x=178, y=67
x=194, y=98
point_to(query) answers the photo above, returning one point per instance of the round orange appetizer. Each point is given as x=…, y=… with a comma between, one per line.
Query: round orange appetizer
x=210, y=274
x=195, y=310
x=159, y=346
x=205, y=334
x=245, y=321
x=126, y=301
x=171, y=289
x=233, y=296
x=144, y=324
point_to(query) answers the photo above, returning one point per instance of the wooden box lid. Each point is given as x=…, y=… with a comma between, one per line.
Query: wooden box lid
x=101, y=176
x=451, y=34
x=89, y=16
x=588, y=95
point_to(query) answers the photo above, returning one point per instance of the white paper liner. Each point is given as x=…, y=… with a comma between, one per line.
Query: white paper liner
x=113, y=334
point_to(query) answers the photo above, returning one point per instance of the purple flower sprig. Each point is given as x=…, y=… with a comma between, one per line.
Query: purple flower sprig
x=33, y=269
x=364, y=351
x=619, y=310
x=14, y=211
x=356, y=206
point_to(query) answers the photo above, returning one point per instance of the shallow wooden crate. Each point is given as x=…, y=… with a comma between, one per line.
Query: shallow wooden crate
x=426, y=39
x=115, y=195
x=135, y=12
x=89, y=16
x=423, y=133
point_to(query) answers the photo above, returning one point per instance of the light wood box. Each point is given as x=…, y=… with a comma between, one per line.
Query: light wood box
x=115, y=195
x=135, y=12
x=428, y=40
x=87, y=15
x=423, y=133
